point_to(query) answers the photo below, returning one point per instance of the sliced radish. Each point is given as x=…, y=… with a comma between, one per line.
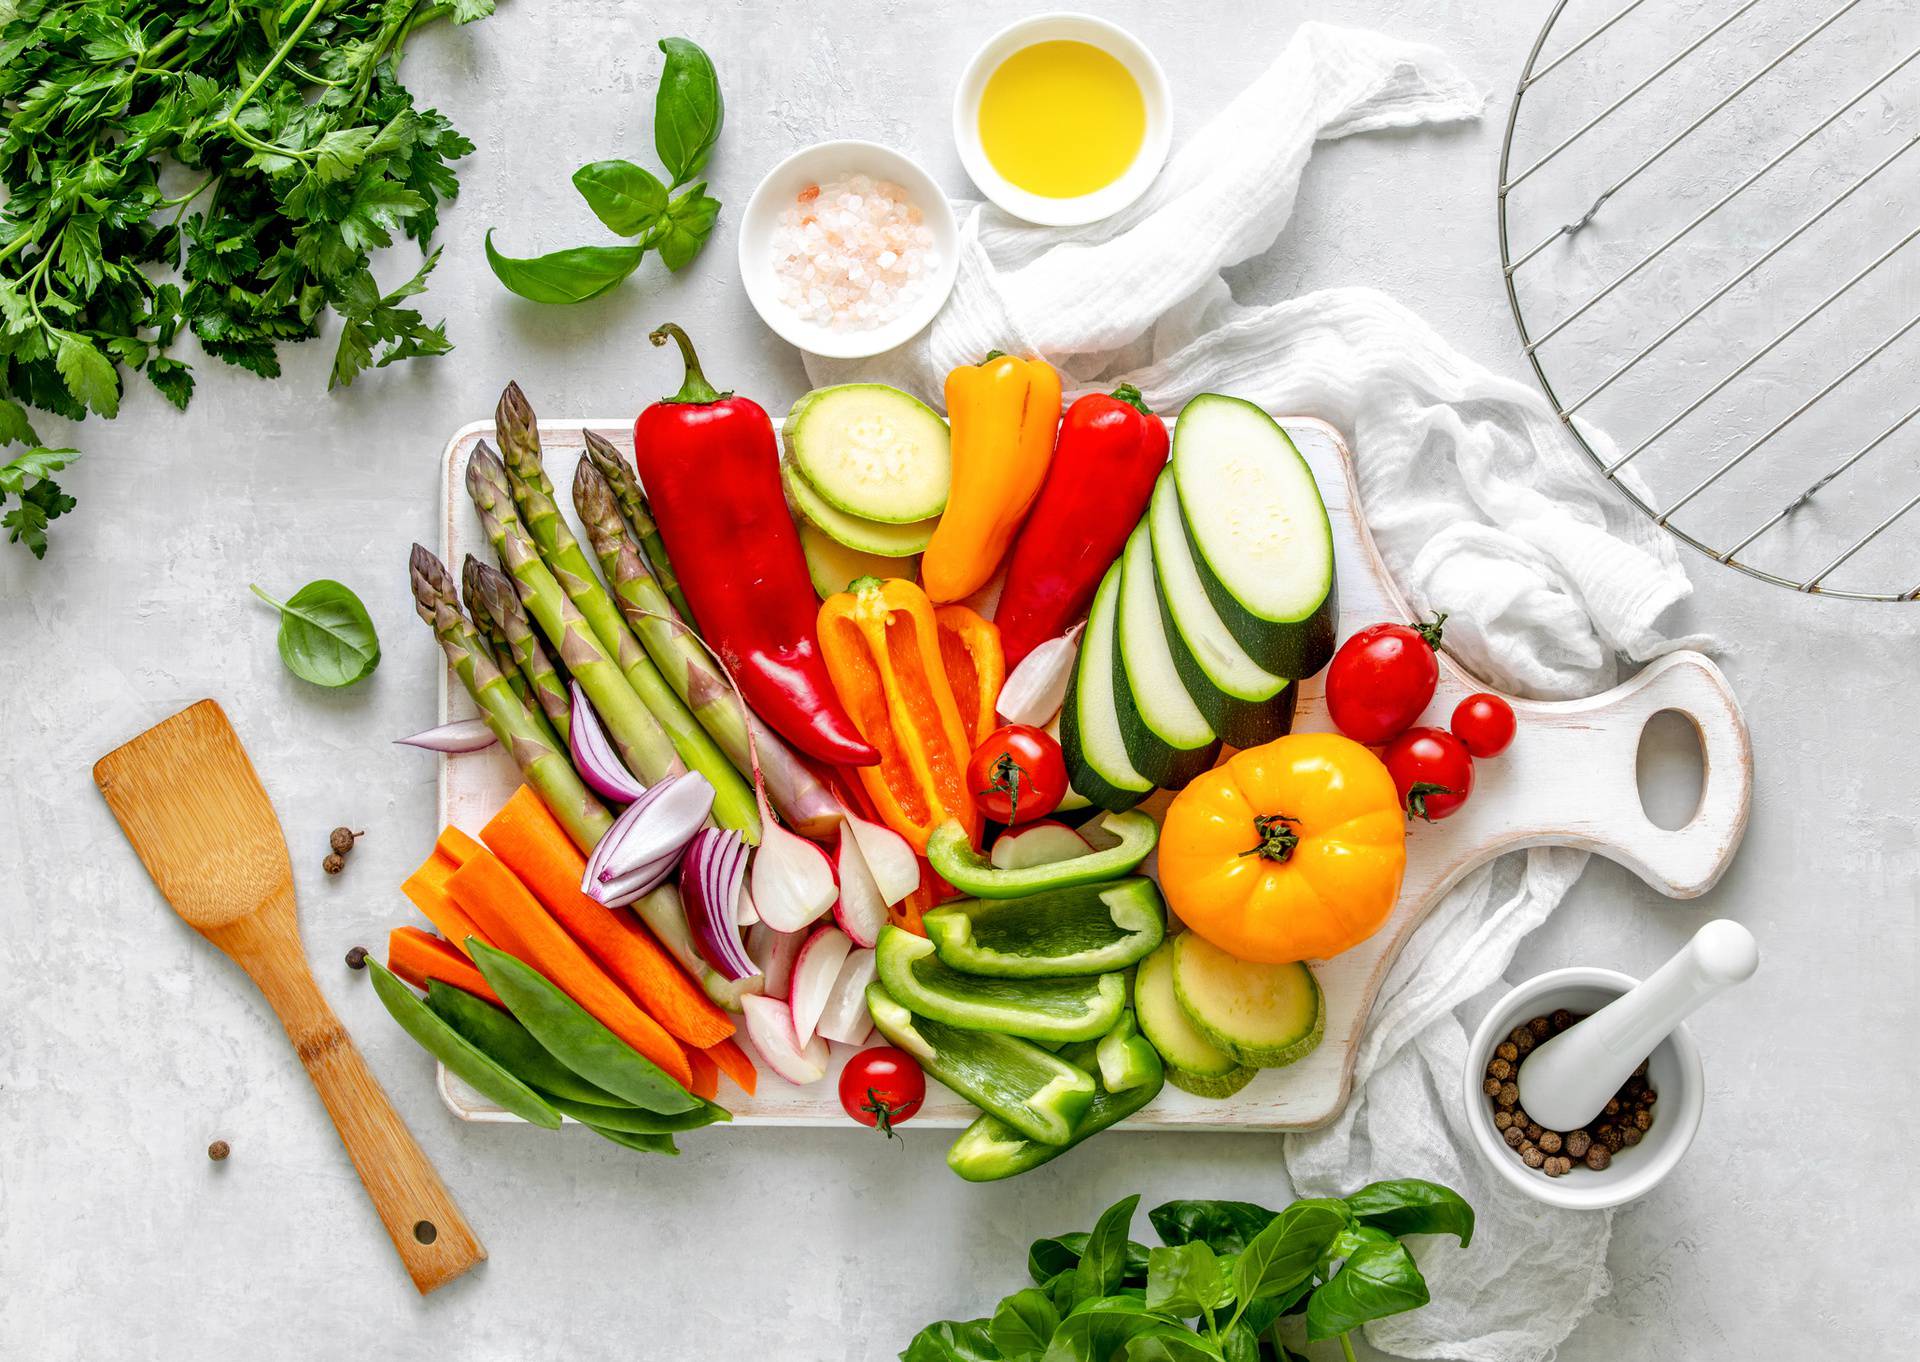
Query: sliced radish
x=889, y=856
x=792, y=879
x=744, y=913
x=1037, y=844
x=774, y=952
x=770, y=1028
x=845, y=1017
x=859, y=910
x=814, y=971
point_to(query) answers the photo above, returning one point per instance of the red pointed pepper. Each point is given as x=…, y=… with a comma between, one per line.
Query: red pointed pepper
x=711, y=470
x=1110, y=451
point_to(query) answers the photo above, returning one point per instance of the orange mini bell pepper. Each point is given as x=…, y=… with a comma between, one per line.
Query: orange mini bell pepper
x=975, y=667
x=1004, y=413
x=881, y=643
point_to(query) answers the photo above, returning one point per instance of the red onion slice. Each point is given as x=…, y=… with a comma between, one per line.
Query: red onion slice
x=594, y=756
x=710, y=880
x=658, y=824
x=462, y=735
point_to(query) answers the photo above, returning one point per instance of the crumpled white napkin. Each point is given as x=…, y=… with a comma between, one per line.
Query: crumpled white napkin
x=1476, y=498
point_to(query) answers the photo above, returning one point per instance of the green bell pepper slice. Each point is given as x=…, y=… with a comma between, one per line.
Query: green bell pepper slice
x=1038, y=1009
x=1086, y=929
x=1031, y=1091
x=952, y=855
x=1125, y=1059
x=990, y=1149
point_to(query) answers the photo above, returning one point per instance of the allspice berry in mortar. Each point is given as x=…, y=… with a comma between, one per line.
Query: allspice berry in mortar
x=1624, y=1122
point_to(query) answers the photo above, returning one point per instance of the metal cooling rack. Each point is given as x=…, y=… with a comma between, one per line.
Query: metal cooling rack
x=1693, y=502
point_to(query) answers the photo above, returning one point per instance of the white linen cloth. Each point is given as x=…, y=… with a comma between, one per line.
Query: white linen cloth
x=1477, y=500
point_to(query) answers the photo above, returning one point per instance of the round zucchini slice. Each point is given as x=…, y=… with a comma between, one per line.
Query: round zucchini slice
x=1263, y=1015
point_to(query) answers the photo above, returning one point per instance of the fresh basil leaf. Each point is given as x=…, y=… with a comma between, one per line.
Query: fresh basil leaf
x=1348, y=1242
x=1048, y=1258
x=326, y=636
x=1283, y=1255
x=952, y=1341
x=689, y=223
x=1413, y=1206
x=1225, y=1226
x=1238, y=1343
x=1022, y=1324
x=1102, y=1331
x=570, y=276
x=628, y=199
x=1103, y=1262
x=687, y=110
x=1185, y=1280
x=1171, y=1344
x=1378, y=1280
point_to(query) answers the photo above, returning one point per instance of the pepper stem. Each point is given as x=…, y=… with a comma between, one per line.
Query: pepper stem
x=695, y=390
x=1132, y=396
x=1277, y=840
x=1431, y=632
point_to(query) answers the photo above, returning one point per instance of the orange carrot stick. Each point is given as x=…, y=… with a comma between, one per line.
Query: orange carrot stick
x=417, y=956
x=706, y=1074
x=527, y=836
x=456, y=846
x=735, y=1064
x=514, y=920
x=427, y=888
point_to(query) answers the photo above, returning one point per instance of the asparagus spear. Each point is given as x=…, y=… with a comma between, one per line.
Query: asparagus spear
x=490, y=590
x=626, y=492
x=533, y=496
x=643, y=745
x=544, y=766
x=489, y=630
x=695, y=676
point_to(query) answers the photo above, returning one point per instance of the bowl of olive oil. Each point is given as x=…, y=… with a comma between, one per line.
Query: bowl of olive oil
x=1062, y=119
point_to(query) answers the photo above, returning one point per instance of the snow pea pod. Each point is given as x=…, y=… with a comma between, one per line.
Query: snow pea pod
x=510, y=1045
x=636, y=1121
x=473, y=1066
x=646, y=1144
x=575, y=1037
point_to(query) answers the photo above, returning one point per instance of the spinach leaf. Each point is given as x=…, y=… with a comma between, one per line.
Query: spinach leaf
x=952, y=1341
x=689, y=223
x=1022, y=1324
x=326, y=636
x=1103, y=1262
x=1225, y=1226
x=687, y=110
x=1048, y=1258
x=628, y=199
x=1283, y=1255
x=1413, y=1206
x=1185, y=1280
x=1379, y=1279
x=570, y=276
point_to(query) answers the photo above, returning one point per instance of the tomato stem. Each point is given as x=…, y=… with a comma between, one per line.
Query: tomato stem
x=1004, y=778
x=1431, y=632
x=883, y=1113
x=1418, y=795
x=1277, y=840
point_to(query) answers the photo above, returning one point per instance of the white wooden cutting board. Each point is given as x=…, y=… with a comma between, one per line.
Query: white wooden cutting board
x=1568, y=780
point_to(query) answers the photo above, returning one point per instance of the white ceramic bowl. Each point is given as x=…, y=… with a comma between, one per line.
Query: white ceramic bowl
x=816, y=165
x=1109, y=38
x=1674, y=1072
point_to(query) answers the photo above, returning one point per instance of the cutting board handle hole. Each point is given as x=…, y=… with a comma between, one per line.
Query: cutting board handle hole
x=1671, y=769
x=425, y=1231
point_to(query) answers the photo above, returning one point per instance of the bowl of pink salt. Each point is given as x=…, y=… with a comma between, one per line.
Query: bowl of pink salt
x=848, y=249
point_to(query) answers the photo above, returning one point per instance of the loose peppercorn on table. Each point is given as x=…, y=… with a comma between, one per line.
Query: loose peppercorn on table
x=1520, y=801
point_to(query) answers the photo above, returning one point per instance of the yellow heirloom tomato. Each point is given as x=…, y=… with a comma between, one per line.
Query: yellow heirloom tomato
x=1292, y=850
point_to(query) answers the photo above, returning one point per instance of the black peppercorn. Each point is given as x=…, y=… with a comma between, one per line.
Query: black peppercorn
x=357, y=958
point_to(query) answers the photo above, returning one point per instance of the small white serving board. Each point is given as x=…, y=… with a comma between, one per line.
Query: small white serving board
x=1568, y=780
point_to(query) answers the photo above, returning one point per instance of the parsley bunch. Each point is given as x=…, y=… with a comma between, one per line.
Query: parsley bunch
x=290, y=151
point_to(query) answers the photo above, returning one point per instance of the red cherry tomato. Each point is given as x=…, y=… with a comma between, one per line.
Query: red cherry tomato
x=1017, y=774
x=1382, y=678
x=1432, y=770
x=882, y=1087
x=1484, y=723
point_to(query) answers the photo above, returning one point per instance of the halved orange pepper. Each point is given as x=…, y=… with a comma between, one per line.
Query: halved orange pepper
x=881, y=643
x=975, y=666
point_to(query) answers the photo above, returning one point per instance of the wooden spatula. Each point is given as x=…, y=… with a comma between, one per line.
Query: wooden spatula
x=189, y=801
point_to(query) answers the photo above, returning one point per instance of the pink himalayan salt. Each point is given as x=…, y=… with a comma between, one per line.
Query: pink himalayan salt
x=852, y=254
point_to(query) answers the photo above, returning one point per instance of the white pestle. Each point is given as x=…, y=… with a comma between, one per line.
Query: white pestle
x=1565, y=1082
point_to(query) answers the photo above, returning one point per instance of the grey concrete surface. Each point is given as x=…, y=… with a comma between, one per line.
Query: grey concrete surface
x=126, y=1044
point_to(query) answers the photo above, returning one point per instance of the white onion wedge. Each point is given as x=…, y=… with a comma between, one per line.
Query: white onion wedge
x=845, y=1017
x=770, y=1028
x=814, y=971
x=1037, y=844
x=774, y=953
x=889, y=857
x=792, y=879
x=1038, y=686
x=859, y=911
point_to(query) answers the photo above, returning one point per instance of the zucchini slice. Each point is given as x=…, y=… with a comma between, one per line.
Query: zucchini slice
x=856, y=532
x=1097, y=764
x=1259, y=533
x=871, y=451
x=1244, y=702
x=1037, y=1009
x=1090, y=929
x=1168, y=739
x=1264, y=1015
x=831, y=564
x=1194, y=1064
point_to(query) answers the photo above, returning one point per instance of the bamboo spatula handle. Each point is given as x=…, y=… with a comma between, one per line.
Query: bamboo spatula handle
x=432, y=1237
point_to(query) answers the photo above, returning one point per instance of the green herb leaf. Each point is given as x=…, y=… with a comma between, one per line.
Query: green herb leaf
x=15, y=428
x=1380, y=1279
x=88, y=374
x=1413, y=1206
x=1103, y=1260
x=1022, y=1324
x=1185, y=1280
x=628, y=199
x=326, y=636
x=173, y=377
x=1224, y=1226
x=690, y=219
x=1103, y=1329
x=1283, y=1255
x=1171, y=1344
x=28, y=479
x=1048, y=1258
x=952, y=1341
x=372, y=319
x=569, y=276
x=687, y=110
